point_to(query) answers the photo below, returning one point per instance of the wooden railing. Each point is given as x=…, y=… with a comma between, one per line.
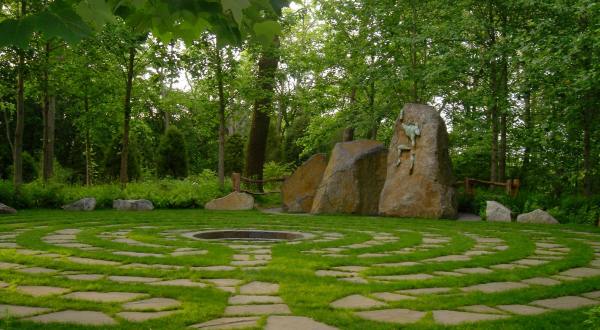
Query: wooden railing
x=511, y=186
x=237, y=179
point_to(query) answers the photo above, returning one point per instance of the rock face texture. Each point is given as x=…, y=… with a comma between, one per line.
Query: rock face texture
x=419, y=171
x=298, y=191
x=5, y=209
x=84, y=204
x=133, y=205
x=236, y=201
x=497, y=212
x=353, y=179
x=537, y=216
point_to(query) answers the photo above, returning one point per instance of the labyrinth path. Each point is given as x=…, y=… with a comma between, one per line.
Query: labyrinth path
x=258, y=271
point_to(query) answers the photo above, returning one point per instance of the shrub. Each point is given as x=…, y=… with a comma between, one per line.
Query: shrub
x=172, y=159
x=112, y=160
x=30, y=167
x=593, y=320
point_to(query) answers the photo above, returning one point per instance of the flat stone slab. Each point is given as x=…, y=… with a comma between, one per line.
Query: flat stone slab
x=398, y=315
x=133, y=279
x=581, y=272
x=522, y=309
x=334, y=273
x=251, y=299
x=565, y=303
x=407, y=277
x=89, y=261
x=155, y=304
x=3, y=285
x=214, y=268
x=85, y=277
x=107, y=297
x=389, y=296
x=37, y=270
x=546, y=281
x=424, y=291
x=295, y=323
x=9, y=265
x=41, y=290
x=474, y=270
x=20, y=311
x=398, y=264
x=452, y=257
x=353, y=269
x=75, y=317
x=138, y=254
x=259, y=288
x=144, y=316
x=228, y=323
x=446, y=273
x=480, y=309
x=592, y=295
x=495, y=287
x=257, y=309
x=188, y=253
x=356, y=301
x=180, y=282
x=446, y=317
x=530, y=262
x=224, y=281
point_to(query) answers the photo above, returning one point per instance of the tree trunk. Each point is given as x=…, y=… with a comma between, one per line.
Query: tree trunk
x=124, y=178
x=493, y=108
x=528, y=127
x=48, y=145
x=9, y=137
x=88, y=157
x=503, y=94
x=413, y=54
x=257, y=143
x=587, y=149
x=221, y=160
x=18, y=149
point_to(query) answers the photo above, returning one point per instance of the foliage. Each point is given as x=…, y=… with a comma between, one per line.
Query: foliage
x=172, y=159
x=593, y=321
x=191, y=192
x=234, y=154
x=30, y=168
x=112, y=161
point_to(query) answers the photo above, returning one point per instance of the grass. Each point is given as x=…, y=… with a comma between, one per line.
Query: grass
x=305, y=293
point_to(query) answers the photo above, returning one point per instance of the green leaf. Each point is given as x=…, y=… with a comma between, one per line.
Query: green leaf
x=236, y=7
x=96, y=12
x=266, y=31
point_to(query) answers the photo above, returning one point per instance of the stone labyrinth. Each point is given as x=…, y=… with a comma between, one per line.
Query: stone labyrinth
x=400, y=274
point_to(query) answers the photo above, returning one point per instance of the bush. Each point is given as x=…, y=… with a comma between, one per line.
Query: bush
x=167, y=193
x=30, y=167
x=172, y=159
x=112, y=160
x=593, y=320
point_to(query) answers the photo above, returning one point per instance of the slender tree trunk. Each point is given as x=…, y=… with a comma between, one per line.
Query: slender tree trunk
x=124, y=178
x=9, y=136
x=221, y=160
x=257, y=143
x=88, y=157
x=413, y=54
x=19, y=130
x=587, y=148
x=375, y=123
x=493, y=108
x=528, y=127
x=503, y=94
x=49, y=103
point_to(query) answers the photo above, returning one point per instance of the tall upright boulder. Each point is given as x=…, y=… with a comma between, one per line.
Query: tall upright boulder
x=299, y=189
x=419, y=171
x=353, y=179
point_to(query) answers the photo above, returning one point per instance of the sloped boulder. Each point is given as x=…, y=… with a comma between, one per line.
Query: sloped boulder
x=5, y=209
x=537, y=216
x=133, y=205
x=497, y=212
x=236, y=201
x=419, y=170
x=84, y=204
x=353, y=179
x=298, y=190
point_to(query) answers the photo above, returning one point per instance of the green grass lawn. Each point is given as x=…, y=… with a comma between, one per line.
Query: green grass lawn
x=384, y=253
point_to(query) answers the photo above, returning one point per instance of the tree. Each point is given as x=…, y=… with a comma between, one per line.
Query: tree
x=172, y=155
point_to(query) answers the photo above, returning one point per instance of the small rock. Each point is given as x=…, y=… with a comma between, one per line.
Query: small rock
x=85, y=204
x=497, y=212
x=236, y=201
x=538, y=216
x=133, y=205
x=5, y=209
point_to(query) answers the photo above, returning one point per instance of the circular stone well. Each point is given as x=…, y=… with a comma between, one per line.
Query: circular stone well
x=250, y=235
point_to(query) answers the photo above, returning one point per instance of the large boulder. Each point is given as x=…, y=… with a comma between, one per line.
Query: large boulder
x=497, y=212
x=236, y=201
x=5, y=209
x=537, y=216
x=353, y=179
x=84, y=204
x=133, y=205
x=298, y=190
x=419, y=171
